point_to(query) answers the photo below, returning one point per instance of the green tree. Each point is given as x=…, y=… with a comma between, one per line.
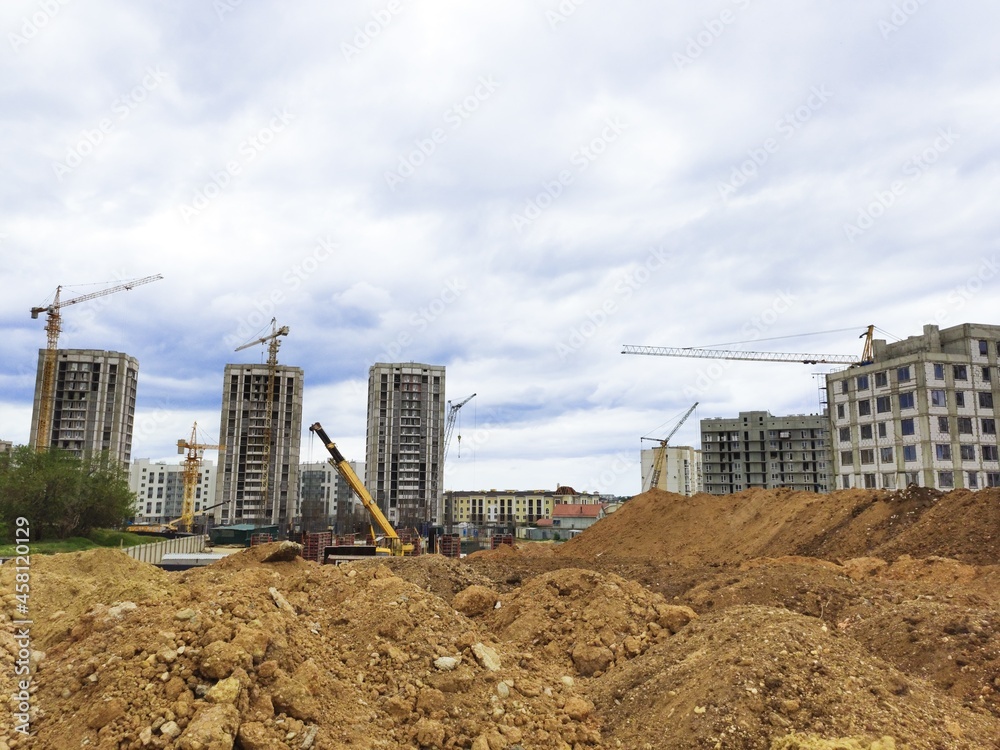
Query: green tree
x=60, y=494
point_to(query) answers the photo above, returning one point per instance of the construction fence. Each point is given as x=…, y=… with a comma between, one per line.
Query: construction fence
x=153, y=553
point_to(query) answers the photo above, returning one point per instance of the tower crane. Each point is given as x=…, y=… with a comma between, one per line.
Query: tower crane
x=53, y=325
x=192, y=463
x=661, y=455
x=867, y=355
x=268, y=397
x=453, y=408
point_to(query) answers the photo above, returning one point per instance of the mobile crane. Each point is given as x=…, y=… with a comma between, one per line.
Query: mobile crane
x=392, y=545
x=169, y=529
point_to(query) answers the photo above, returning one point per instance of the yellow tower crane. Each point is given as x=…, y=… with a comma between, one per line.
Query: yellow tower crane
x=660, y=460
x=53, y=325
x=268, y=398
x=192, y=464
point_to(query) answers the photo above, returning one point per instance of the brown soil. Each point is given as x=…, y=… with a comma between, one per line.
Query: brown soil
x=773, y=620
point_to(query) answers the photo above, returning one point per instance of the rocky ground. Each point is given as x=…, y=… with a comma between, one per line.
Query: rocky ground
x=773, y=620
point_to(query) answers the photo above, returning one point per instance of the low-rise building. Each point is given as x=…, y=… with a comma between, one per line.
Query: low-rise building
x=510, y=507
x=159, y=490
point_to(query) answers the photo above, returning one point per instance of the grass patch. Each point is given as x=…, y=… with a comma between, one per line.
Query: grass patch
x=97, y=538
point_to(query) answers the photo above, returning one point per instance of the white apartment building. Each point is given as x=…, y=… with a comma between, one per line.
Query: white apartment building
x=923, y=412
x=680, y=473
x=326, y=501
x=159, y=490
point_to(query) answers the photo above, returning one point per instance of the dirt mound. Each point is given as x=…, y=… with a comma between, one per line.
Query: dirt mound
x=442, y=576
x=583, y=622
x=296, y=655
x=751, y=676
x=771, y=523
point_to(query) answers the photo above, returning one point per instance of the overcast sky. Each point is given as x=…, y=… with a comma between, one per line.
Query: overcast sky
x=512, y=189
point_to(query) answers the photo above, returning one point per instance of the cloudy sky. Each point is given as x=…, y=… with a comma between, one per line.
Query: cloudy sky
x=512, y=189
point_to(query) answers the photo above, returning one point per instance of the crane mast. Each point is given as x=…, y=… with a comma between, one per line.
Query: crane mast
x=268, y=397
x=661, y=454
x=53, y=325
x=192, y=463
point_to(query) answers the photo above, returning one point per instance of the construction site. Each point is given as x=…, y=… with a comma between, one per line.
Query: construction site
x=772, y=620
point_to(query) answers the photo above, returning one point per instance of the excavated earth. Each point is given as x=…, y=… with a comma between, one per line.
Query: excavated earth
x=858, y=620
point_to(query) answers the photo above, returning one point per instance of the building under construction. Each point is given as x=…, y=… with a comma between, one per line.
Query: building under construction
x=261, y=427
x=91, y=405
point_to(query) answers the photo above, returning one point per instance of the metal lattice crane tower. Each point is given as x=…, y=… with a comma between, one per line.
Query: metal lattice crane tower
x=53, y=325
x=453, y=408
x=661, y=455
x=268, y=398
x=192, y=463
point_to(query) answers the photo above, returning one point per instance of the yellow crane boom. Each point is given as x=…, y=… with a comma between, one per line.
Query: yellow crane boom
x=396, y=547
x=192, y=463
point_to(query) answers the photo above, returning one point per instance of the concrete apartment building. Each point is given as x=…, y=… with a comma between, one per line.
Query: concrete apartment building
x=326, y=501
x=404, y=454
x=250, y=496
x=159, y=490
x=760, y=450
x=923, y=412
x=93, y=403
x=681, y=471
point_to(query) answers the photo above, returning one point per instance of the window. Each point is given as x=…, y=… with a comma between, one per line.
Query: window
x=881, y=429
x=906, y=426
x=990, y=453
x=909, y=453
x=843, y=386
x=866, y=432
x=939, y=372
x=943, y=424
x=986, y=374
x=943, y=451
x=840, y=411
x=883, y=404
x=961, y=372
x=973, y=480
x=869, y=481
x=985, y=400
x=982, y=347
x=903, y=374
x=912, y=477
x=868, y=456
x=864, y=407
x=989, y=426
x=847, y=458
x=845, y=481
x=885, y=455
x=937, y=398
x=906, y=400
x=946, y=479
x=967, y=452
x=862, y=382
x=881, y=380
x=845, y=434
x=889, y=481
x=993, y=478
x=965, y=425
x=960, y=398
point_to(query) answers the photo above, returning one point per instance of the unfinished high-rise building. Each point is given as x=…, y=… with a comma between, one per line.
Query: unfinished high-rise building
x=261, y=429
x=91, y=404
x=405, y=442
